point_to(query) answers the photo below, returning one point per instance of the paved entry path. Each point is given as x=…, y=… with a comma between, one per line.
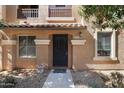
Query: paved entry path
x=59, y=78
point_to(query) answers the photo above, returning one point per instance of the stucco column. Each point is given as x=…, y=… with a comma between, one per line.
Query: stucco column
x=43, y=13
x=42, y=52
x=9, y=54
x=1, y=64
x=2, y=12
x=76, y=48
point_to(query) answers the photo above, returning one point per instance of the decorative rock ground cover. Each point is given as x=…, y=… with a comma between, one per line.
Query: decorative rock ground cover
x=98, y=79
x=87, y=79
x=27, y=78
x=23, y=78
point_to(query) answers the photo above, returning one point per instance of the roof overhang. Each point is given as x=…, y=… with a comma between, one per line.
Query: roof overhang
x=47, y=25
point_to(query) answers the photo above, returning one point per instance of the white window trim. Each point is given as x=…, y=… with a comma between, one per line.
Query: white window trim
x=24, y=57
x=113, y=45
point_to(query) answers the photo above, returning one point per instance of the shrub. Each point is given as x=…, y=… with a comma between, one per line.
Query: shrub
x=8, y=82
x=117, y=80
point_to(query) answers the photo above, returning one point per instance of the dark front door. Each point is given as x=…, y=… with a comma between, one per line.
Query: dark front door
x=60, y=50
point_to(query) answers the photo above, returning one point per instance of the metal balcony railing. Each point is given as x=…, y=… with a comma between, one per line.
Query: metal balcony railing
x=60, y=12
x=27, y=13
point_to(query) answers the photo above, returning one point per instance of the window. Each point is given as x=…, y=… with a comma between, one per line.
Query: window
x=27, y=46
x=104, y=43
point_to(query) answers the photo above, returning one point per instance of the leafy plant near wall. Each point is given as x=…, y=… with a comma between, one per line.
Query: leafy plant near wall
x=1, y=24
x=104, y=15
x=117, y=80
x=2, y=33
x=1, y=27
x=114, y=80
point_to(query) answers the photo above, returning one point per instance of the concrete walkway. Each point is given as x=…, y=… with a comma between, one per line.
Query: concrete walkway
x=59, y=80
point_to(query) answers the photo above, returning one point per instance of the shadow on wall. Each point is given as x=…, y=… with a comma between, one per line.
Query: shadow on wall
x=8, y=58
x=1, y=65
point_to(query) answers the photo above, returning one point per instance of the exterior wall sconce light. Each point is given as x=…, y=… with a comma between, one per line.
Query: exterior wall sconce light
x=80, y=34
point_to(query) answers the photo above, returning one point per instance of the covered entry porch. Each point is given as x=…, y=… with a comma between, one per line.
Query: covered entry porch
x=45, y=37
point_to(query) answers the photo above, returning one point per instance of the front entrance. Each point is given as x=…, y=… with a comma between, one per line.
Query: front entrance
x=60, y=50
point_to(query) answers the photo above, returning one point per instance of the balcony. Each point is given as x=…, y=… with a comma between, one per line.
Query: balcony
x=60, y=14
x=27, y=13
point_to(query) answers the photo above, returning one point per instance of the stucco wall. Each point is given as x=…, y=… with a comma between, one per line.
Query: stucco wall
x=1, y=65
x=120, y=46
x=11, y=14
x=84, y=54
x=79, y=56
x=0, y=11
x=43, y=55
x=3, y=12
x=75, y=13
x=9, y=57
x=43, y=52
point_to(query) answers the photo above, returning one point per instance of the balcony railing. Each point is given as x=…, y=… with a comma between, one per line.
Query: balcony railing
x=60, y=12
x=27, y=13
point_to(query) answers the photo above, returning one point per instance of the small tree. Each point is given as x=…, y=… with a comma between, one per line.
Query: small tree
x=111, y=16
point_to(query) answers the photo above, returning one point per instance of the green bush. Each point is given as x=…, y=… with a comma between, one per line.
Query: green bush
x=8, y=82
x=117, y=80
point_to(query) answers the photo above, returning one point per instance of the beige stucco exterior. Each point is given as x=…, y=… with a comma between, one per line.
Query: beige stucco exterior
x=80, y=56
x=81, y=51
x=9, y=14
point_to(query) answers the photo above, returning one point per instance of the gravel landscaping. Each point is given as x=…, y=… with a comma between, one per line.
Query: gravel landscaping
x=23, y=78
x=87, y=79
x=98, y=79
x=29, y=78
